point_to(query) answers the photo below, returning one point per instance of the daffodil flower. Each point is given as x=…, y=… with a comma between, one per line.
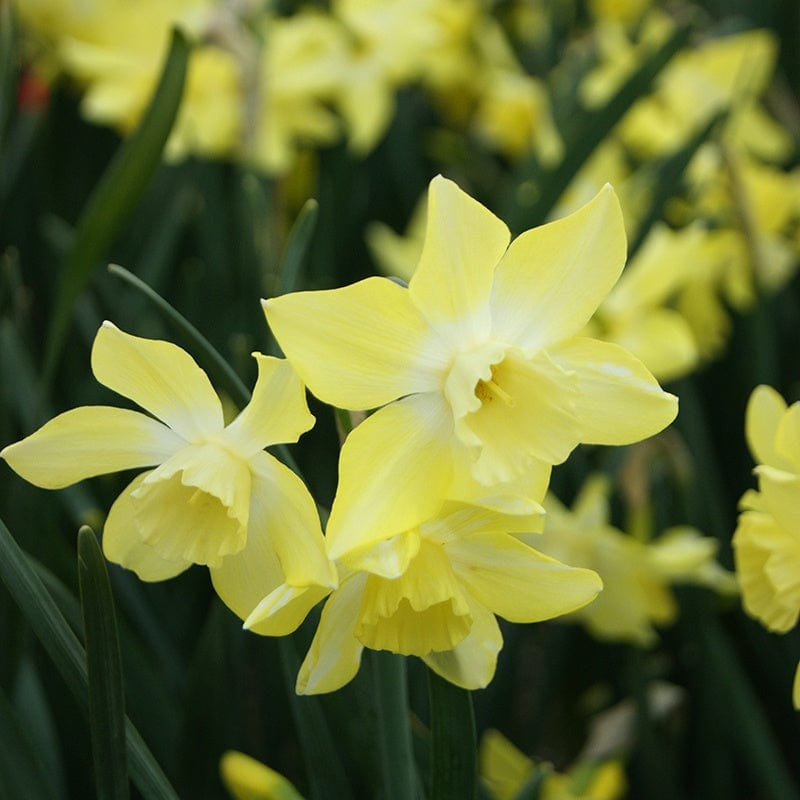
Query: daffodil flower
x=432, y=591
x=766, y=543
x=215, y=497
x=477, y=363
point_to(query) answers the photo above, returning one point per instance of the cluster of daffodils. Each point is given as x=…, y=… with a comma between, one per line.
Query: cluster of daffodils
x=767, y=538
x=636, y=572
x=479, y=380
x=260, y=86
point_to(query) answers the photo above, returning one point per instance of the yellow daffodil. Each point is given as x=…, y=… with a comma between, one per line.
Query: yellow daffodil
x=636, y=574
x=245, y=778
x=215, y=497
x=767, y=538
x=638, y=314
x=476, y=363
x=431, y=591
x=505, y=770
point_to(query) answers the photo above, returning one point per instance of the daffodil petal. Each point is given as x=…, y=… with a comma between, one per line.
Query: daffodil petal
x=472, y=662
x=619, y=402
x=122, y=543
x=289, y=516
x=463, y=244
x=764, y=411
x=796, y=689
x=787, y=438
x=460, y=522
x=358, y=347
x=394, y=470
x=335, y=654
x=283, y=609
x=277, y=411
x=160, y=377
x=780, y=492
x=553, y=278
x=517, y=582
x=89, y=441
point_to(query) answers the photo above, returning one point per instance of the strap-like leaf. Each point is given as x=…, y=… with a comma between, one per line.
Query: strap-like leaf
x=116, y=195
x=69, y=658
x=106, y=694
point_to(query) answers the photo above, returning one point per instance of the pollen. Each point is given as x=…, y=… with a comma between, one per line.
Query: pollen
x=487, y=391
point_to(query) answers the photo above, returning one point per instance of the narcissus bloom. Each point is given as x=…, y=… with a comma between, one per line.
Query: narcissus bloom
x=636, y=574
x=505, y=770
x=431, y=591
x=476, y=364
x=767, y=538
x=215, y=498
x=248, y=779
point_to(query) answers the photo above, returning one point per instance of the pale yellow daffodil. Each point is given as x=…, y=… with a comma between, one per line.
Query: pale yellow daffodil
x=215, y=496
x=767, y=538
x=477, y=363
x=431, y=591
x=505, y=770
x=636, y=574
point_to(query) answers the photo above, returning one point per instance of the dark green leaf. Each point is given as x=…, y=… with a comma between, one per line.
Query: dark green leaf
x=69, y=658
x=297, y=247
x=117, y=194
x=106, y=693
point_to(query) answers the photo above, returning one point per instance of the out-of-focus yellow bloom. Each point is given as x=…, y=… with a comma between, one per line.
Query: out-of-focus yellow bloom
x=636, y=574
x=248, y=779
x=432, y=591
x=476, y=363
x=767, y=539
x=624, y=11
x=215, y=498
x=504, y=771
x=397, y=254
x=722, y=74
x=636, y=314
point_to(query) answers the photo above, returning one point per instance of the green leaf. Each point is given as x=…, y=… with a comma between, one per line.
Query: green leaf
x=69, y=658
x=394, y=732
x=22, y=773
x=297, y=247
x=117, y=194
x=587, y=130
x=326, y=775
x=453, y=750
x=106, y=694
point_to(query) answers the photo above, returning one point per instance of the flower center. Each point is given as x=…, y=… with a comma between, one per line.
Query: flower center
x=422, y=611
x=489, y=390
x=195, y=507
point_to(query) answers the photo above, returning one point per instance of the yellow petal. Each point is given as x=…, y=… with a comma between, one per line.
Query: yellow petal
x=123, y=545
x=358, y=347
x=335, y=653
x=620, y=402
x=89, y=441
x=518, y=583
x=765, y=408
x=283, y=609
x=796, y=689
x=388, y=559
x=277, y=411
x=248, y=779
x=284, y=546
x=464, y=242
x=780, y=493
x=787, y=438
x=471, y=663
x=394, y=470
x=458, y=522
x=196, y=505
x=160, y=377
x=553, y=278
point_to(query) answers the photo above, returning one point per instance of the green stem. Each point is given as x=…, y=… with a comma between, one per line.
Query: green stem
x=391, y=701
x=453, y=751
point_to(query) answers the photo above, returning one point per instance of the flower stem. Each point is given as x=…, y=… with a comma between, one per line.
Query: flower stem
x=453, y=757
x=391, y=701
